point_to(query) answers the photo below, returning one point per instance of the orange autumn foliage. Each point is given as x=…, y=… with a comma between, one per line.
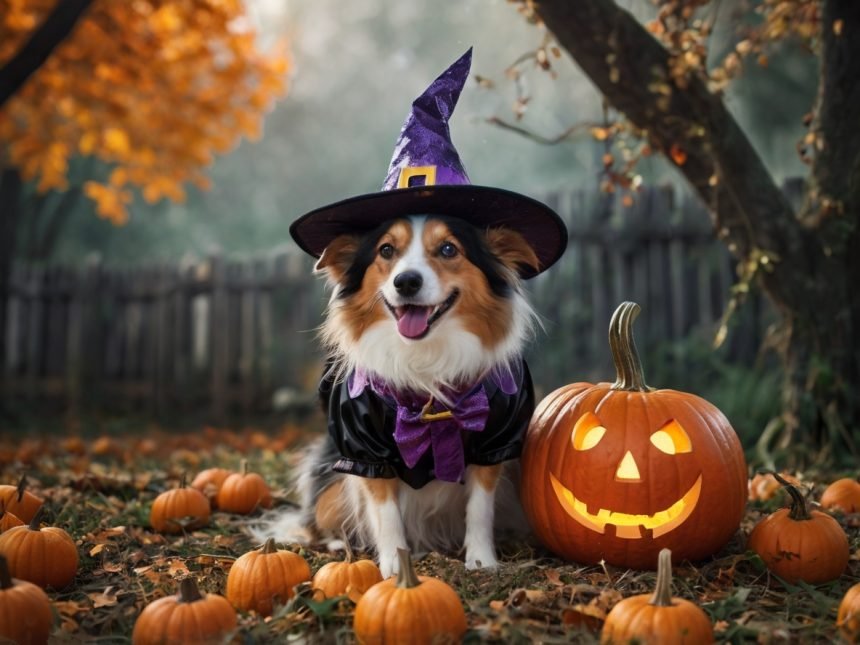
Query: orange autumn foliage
x=155, y=88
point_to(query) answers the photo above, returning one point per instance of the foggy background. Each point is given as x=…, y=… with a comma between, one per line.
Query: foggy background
x=355, y=69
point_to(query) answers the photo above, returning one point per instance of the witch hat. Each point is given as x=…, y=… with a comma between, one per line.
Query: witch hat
x=426, y=177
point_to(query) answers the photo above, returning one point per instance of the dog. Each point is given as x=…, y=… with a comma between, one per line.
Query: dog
x=427, y=395
x=432, y=306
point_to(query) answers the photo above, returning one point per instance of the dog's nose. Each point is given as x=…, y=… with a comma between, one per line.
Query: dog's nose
x=408, y=283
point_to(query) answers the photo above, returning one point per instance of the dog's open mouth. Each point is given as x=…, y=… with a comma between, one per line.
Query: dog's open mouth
x=414, y=321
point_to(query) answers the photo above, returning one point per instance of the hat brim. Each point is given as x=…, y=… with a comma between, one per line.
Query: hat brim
x=481, y=206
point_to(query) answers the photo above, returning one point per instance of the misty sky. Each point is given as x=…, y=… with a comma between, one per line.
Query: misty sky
x=356, y=67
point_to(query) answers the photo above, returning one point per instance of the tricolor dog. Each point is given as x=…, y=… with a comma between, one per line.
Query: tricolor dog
x=426, y=390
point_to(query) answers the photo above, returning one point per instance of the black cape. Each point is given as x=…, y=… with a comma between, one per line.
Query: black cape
x=361, y=431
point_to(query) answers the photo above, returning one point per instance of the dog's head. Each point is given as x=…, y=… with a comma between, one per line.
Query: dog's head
x=427, y=301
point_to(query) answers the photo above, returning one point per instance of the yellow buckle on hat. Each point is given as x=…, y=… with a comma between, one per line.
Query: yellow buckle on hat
x=407, y=173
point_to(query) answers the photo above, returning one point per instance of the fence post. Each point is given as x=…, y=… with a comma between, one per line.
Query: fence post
x=219, y=334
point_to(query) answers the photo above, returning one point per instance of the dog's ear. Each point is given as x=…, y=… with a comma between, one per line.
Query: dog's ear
x=337, y=257
x=511, y=249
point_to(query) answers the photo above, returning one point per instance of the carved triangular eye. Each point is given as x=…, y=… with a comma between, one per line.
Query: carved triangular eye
x=672, y=439
x=587, y=432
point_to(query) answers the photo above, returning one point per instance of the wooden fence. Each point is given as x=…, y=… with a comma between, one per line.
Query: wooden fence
x=237, y=336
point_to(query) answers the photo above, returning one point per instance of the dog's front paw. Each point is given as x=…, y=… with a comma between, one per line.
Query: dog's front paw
x=481, y=559
x=389, y=565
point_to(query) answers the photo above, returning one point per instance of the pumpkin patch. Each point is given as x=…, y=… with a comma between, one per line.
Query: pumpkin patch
x=130, y=576
x=617, y=472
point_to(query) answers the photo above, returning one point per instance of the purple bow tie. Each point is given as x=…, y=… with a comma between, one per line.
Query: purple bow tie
x=420, y=427
x=423, y=425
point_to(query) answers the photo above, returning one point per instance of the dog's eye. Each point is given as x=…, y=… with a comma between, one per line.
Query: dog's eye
x=386, y=251
x=447, y=250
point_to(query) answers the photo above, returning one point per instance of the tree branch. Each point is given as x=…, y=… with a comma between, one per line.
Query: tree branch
x=539, y=138
x=56, y=27
x=632, y=70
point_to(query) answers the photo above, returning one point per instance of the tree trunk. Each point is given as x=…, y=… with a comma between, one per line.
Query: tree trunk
x=808, y=265
x=10, y=193
x=822, y=344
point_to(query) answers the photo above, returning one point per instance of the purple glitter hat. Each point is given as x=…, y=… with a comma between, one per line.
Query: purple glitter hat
x=426, y=177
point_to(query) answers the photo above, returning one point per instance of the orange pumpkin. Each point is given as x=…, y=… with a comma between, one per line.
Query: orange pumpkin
x=180, y=509
x=409, y=609
x=658, y=619
x=350, y=577
x=244, y=492
x=848, y=617
x=189, y=617
x=264, y=577
x=843, y=495
x=209, y=482
x=45, y=556
x=619, y=471
x=7, y=519
x=26, y=615
x=17, y=500
x=798, y=544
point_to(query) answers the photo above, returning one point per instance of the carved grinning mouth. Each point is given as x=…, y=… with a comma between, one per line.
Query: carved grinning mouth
x=629, y=525
x=414, y=321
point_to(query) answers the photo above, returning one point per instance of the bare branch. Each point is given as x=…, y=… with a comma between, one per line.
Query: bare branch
x=56, y=27
x=569, y=133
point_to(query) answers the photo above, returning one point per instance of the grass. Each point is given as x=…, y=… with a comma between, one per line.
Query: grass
x=101, y=491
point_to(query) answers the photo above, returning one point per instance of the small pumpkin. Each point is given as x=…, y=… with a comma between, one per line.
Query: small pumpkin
x=26, y=616
x=188, y=617
x=409, y=609
x=264, y=577
x=350, y=577
x=843, y=495
x=180, y=509
x=7, y=519
x=848, y=617
x=17, y=500
x=798, y=544
x=46, y=556
x=244, y=492
x=209, y=482
x=660, y=618
x=618, y=471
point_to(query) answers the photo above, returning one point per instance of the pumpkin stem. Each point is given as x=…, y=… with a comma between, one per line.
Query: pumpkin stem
x=188, y=590
x=37, y=519
x=269, y=547
x=5, y=576
x=663, y=588
x=243, y=466
x=22, y=486
x=628, y=367
x=183, y=480
x=799, y=510
x=406, y=577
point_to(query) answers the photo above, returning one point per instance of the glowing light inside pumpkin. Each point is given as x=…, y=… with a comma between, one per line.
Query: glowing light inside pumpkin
x=629, y=525
x=672, y=439
x=627, y=469
x=587, y=432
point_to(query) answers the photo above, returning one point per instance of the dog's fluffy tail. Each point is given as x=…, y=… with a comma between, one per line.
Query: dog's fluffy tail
x=313, y=475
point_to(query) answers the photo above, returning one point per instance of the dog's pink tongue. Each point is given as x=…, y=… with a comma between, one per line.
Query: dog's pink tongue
x=413, y=322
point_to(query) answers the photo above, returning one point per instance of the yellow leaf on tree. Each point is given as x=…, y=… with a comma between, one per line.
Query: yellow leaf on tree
x=117, y=141
x=154, y=88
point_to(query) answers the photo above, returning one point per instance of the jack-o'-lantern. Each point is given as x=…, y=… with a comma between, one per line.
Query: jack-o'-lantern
x=619, y=471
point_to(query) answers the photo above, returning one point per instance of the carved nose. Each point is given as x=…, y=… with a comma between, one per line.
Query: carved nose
x=627, y=470
x=408, y=283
